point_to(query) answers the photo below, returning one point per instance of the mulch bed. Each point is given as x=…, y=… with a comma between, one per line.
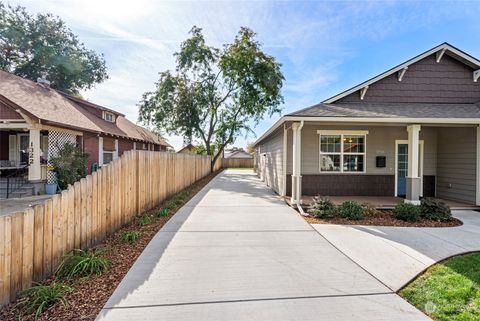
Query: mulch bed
x=384, y=218
x=91, y=293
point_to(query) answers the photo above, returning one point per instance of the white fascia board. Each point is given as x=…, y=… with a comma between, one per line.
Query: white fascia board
x=441, y=47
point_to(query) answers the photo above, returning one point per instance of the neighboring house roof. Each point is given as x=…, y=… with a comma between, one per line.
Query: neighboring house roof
x=237, y=154
x=187, y=149
x=389, y=110
x=55, y=108
x=440, y=50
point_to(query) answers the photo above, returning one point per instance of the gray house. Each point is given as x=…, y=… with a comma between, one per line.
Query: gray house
x=410, y=132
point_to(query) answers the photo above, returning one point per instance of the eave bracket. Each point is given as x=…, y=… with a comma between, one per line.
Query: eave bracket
x=476, y=75
x=401, y=73
x=440, y=54
x=363, y=92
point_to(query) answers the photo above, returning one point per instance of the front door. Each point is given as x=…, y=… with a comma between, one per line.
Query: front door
x=401, y=167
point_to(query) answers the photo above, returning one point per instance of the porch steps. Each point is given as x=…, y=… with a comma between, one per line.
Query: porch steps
x=24, y=190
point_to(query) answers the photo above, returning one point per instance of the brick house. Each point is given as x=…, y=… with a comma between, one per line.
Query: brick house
x=35, y=121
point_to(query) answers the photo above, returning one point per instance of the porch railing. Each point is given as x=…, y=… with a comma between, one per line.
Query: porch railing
x=15, y=180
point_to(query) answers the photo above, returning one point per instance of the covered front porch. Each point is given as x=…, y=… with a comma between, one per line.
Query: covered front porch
x=382, y=164
x=24, y=156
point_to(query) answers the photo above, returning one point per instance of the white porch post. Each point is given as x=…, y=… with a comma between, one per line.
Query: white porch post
x=297, y=167
x=34, y=168
x=413, y=177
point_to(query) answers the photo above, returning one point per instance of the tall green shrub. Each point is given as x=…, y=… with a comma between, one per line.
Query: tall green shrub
x=70, y=165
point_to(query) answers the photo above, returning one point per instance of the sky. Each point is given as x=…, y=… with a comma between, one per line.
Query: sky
x=324, y=47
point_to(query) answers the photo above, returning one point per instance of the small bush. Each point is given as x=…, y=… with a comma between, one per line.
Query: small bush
x=144, y=220
x=322, y=208
x=39, y=297
x=80, y=263
x=351, y=210
x=370, y=210
x=434, y=209
x=407, y=212
x=130, y=236
x=162, y=212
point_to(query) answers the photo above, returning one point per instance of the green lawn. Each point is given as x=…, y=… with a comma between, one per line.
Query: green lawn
x=448, y=291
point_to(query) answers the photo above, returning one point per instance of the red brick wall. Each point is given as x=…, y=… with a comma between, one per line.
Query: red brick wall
x=124, y=145
x=90, y=146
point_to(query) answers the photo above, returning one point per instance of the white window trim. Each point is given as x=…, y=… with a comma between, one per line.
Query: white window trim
x=105, y=113
x=342, y=133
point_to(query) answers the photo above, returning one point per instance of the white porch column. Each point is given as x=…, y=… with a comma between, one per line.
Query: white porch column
x=34, y=168
x=296, y=164
x=115, y=155
x=413, y=178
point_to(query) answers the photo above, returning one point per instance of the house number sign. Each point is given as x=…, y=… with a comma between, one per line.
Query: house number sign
x=30, y=154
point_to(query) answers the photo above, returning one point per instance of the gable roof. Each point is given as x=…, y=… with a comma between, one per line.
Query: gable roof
x=53, y=107
x=440, y=50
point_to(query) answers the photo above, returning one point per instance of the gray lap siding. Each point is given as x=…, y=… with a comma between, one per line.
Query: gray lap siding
x=269, y=161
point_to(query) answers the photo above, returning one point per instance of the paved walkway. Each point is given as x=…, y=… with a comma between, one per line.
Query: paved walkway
x=396, y=255
x=13, y=205
x=237, y=252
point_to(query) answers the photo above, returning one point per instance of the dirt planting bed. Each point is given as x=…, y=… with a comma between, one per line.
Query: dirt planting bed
x=384, y=218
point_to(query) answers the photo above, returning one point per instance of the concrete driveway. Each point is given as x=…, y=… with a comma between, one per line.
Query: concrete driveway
x=396, y=255
x=237, y=252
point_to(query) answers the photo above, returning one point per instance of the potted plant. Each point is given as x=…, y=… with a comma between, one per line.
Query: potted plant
x=50, y=188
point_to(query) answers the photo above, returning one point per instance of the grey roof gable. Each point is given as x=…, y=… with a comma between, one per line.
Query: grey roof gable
x=391, y=110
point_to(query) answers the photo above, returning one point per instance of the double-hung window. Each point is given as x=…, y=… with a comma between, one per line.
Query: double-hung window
x=342, y=152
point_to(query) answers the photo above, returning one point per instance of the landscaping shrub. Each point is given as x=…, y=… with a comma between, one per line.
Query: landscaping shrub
x=370, y=210
x=39, y=297
x=162, y=212
x=130, y=236
x=351, y=210
x=70, y=165
x=434, y=209
x=322, y=208
x=144, y=220
x=407, y=212
x=80, y=263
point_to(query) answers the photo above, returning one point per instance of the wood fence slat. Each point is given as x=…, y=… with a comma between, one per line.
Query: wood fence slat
x=77, y=216
x=5, y=258
x=70, y=219
x=38, y=247
x=16, y=255
x=47, y=238
x=57, y=230
x=27, y=248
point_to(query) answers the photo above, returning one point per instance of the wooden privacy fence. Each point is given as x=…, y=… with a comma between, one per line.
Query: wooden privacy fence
x=32, y=242
x=237, y=162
